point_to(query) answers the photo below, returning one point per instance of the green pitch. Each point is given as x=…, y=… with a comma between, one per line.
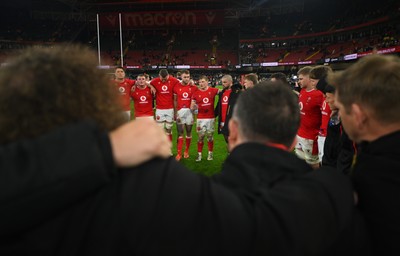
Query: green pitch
x=204, y=166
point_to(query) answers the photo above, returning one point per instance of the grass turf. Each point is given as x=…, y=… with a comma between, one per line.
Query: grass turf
x=204, y=166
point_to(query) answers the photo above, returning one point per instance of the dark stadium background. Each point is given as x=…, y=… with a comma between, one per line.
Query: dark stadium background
x=239, y=36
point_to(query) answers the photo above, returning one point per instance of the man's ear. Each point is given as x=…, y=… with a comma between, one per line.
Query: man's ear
x=233, y=134
x=360, y=116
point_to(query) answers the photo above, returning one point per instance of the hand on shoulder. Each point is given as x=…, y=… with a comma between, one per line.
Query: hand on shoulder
x=137, y=142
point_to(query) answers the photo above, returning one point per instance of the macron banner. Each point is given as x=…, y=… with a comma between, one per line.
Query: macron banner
x=132, y=20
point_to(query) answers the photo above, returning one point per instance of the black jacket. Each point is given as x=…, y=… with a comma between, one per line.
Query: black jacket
x=42, y=176
x=263, y=203
x=259, y=173
x=236, y=89
x=339, y=150
x=377, y=181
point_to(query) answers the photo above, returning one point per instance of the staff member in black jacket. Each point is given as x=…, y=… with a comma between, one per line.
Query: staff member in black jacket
x=339, y=150
x=226, y=101
x=367, y=95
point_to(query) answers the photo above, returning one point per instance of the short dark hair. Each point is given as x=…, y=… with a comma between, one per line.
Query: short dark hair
x=320, y=72
x=269, y=112
x=279, y=76
x=163, y=73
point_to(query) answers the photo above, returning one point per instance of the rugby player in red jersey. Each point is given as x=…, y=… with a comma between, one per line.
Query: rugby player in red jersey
x=204, y=99
x=124, y=86
x=142, y=99
x=184, y=117
x=164, y=85
x=310, y=102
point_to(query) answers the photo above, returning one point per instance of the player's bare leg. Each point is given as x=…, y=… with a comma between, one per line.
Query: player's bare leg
x=188, y=140
x=179, y=141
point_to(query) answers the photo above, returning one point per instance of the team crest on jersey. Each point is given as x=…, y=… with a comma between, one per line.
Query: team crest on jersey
x=121, y=89
x=206, y=100
x=185, y=95
x=143, y=98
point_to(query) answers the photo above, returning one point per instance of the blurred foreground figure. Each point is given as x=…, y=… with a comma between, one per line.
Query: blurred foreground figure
x=367, y=96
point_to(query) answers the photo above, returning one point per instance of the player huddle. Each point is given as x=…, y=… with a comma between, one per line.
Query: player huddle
x=179, y=100
x=175, y=100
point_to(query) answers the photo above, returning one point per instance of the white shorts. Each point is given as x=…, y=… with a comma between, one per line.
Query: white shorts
x=165, y=115
x=205, y=126
x=184, y=116
x=307, y=149
x=321, y=143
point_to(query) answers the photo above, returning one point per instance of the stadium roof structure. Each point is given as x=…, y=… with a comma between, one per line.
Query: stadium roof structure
x=232, y=8
x=148, y=4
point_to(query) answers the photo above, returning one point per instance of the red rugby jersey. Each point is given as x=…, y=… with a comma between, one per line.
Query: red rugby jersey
x=124, y=89
x=310, y=103
x=164, y=92
x=184, y=95
x=143, y=102
x=205, y=102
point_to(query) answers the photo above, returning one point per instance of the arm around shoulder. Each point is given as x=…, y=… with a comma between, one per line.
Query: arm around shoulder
x=43, y=175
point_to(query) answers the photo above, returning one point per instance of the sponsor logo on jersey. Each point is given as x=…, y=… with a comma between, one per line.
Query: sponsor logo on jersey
x=121, y=89
x=164, y=88
x=206, y=100
x=225, y=99
x=185, y=95
x=143, y=98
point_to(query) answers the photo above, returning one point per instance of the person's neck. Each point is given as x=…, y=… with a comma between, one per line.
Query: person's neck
x=142, y=86
x=309, y=88
x=242, y=140
x=119, y=79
